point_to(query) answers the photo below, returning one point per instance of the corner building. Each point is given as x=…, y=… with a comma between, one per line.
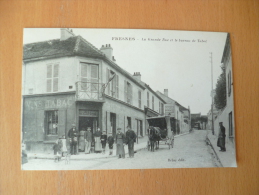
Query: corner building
x=69, y=81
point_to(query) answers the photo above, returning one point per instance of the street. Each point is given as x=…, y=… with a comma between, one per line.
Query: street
x=189, y=151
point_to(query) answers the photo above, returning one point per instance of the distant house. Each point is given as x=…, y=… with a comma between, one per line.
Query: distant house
x=180, y=113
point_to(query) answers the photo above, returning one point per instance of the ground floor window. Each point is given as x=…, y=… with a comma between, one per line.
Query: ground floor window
x=52, y=122
x=230, y=124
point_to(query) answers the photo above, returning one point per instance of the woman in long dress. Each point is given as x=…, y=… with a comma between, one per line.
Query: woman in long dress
x=81, y=145
x=97, y=140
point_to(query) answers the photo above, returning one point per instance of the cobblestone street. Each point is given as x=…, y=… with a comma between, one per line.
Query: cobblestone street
x=189, y=151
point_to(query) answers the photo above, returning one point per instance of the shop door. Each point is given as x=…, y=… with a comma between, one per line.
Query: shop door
x=85, y=122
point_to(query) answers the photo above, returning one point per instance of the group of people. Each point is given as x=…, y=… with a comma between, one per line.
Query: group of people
x=96, y=142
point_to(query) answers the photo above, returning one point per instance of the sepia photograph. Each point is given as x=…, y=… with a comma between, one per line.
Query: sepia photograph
x=102, y=99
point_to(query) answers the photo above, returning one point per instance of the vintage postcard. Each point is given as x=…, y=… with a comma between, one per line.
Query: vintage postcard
x=126, y=99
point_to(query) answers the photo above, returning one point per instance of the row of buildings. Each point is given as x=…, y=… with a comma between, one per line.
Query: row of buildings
x=69, y=81
x=225, y=115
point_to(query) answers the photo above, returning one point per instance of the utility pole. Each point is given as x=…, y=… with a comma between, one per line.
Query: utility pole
x=212, y=95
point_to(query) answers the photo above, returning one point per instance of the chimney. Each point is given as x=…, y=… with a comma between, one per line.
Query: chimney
x=108, y=51
x=137, y=76
x=66, y=33
x=166, y=92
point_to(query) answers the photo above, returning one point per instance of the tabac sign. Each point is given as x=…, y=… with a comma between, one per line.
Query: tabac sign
x=169, y=110
x=49, y=103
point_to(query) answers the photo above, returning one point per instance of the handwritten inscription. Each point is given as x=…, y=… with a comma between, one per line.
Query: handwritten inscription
x=175, y=160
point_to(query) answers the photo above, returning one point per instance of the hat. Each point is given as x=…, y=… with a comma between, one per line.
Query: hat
x=73, y=125
x=118, y=129
x=88, y=128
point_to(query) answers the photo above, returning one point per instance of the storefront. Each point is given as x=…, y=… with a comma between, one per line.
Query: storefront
x=47, y=118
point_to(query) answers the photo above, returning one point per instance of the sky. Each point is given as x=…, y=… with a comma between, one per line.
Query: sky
x=179, y=61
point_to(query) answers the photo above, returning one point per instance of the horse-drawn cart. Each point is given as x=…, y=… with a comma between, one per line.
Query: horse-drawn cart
x=160, y=132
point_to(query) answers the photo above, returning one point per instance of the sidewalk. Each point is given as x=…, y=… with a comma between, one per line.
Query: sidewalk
x=228, y=158
x=142, y=144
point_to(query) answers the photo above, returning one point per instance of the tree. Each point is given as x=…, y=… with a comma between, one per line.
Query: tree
x=220, y=99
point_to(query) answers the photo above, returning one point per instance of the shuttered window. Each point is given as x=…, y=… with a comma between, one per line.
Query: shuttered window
x=152, y=102
x=148, y=99
x=117, y=86
x=139, y=99
x=52, y=77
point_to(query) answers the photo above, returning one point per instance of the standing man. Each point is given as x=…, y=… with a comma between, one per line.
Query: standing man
x=88, y=140
x=221, y=137
x=130, y=139
x=120, y=142
x=72, y=134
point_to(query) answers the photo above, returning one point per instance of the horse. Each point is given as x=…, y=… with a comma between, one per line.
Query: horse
x=154, y=137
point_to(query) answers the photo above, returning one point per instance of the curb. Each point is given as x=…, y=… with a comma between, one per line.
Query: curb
x=215, y=153
x=143, y=148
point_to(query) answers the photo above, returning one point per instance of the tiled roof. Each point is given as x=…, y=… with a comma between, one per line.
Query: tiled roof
x=75, y=45
x=53, y=48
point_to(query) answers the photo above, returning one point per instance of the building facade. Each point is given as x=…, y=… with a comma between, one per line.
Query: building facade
x=226, y=115
x=181, y=114
x=69, y=81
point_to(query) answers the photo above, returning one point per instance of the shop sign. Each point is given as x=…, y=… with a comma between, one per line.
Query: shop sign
x=48, y=103
x=169, y=110
x=90, y=113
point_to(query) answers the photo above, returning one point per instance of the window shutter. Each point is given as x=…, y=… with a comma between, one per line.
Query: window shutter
x=125, y=91
x=55, y=84
x=117, y=86
x=108, y=85
x=49, y=82
x=94, y=78
x=83, y=70
x=131, y=95
x=55, y=70
x=49, y=71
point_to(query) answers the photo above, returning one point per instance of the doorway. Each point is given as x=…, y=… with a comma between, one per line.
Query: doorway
x=85, y=122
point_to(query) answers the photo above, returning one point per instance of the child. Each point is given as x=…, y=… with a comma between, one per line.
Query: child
x=103, y=141
x=57, y=150
x=64, y=147
x=110, y=142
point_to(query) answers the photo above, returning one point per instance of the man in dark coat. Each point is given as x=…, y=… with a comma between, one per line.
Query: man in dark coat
x=120, y=142
x=73, y=138
x=221, y=137
x=130, y=139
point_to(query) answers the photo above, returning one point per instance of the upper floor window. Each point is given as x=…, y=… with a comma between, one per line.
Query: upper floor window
x=89, y=77
x=229, y=83
x=153, y=103
x=128, y=92
x=52, y=77
x=139, y=99
x=113, y=83
x=148, y=99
